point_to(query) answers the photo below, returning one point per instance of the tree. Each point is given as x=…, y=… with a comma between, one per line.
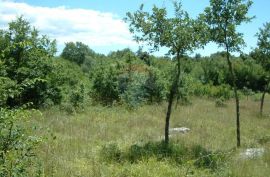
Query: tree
x=223, y=17
x=26, y=59
x=76, y=52
x=180, y=34
x=262, y=55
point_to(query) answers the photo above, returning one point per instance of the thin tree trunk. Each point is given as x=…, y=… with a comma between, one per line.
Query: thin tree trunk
x=173, y=91
x=262, y=102
x=168, y=115
x=236, y=99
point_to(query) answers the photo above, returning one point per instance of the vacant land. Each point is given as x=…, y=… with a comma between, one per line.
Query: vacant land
x=76, y=143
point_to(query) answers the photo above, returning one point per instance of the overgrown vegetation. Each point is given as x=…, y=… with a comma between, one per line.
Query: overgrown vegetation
x=104, y=112
x=18, y=155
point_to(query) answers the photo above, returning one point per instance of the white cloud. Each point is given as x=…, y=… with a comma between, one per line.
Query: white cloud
x=97, y=29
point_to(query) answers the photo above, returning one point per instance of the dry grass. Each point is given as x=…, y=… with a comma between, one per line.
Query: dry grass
x=75, y=151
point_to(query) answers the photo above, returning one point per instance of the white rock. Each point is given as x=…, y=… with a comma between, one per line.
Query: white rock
x=253, y=153
x=179, y=130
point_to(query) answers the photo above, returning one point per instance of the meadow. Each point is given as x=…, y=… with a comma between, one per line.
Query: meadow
x=87, y=114
x=75, y=142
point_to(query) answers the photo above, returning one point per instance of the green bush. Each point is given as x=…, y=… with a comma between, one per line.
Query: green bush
x=76, y=52
x=106, y=85
x=8, y=88
x=220, y=102
x=135, y=93
x=207, y=159
x=222, y=91
x=155, y=86
x=26, y=62
x=72, y=85
x=77, y=97
x=17, y=145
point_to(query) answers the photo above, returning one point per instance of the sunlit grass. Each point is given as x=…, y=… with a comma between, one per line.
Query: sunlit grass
x=74, y=141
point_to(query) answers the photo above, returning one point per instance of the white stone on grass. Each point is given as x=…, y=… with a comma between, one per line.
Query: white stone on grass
x=179, y=130
x=252, y=153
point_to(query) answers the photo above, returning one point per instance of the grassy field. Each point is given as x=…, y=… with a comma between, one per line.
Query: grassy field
x=75, y=142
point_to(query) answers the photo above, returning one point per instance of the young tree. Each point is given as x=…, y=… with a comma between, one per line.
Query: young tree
x=262, y=55
x=180, y=34
x=223, y=17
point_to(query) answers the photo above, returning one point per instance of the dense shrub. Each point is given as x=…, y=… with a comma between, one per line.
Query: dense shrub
x=106, y=85
x=214, y=70
x=250, y=75
x=8, y=88
x=17, y=145
x=155, y=86
x=207, y=159
x=72, y=84
x=135, y=93
x=76, y=52
x=26, y=62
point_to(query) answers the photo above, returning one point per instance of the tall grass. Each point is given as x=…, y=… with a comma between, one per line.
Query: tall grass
x=75, y=141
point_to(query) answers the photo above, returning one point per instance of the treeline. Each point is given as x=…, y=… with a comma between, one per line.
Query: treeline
x=31, y=75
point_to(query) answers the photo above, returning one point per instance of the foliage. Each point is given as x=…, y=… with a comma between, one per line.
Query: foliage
x=223, y=17
x=106, y=85
x=76, y=52
x=220, y=102
x=249, y=75
x=155, y=86
x=72, y=85
x=179, y=34
x=214, y=70
x=264, y=46
x=262, y=53
x=135, y=93
x=17, y=145
x=26, y=60
x=174, y=153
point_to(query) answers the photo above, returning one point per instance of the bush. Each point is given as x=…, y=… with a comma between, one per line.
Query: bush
x=72, y=85
x=76, y=52
x=106, y=85
x=77, y=97
x=8, y=88
x=135, y=93
x=25, y=63
x=220, y=102
x=207, y=159
x=155, y=86
x=17, y=145
x=222, y=91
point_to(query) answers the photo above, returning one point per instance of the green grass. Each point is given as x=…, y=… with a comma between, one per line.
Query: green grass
x=75, y=142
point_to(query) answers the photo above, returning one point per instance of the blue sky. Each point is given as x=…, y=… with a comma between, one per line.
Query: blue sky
x=99, y=24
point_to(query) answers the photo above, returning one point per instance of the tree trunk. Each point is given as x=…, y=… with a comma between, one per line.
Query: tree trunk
x=262, y=102
x=236, y=99
x=168, y=115
x=173, y=91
